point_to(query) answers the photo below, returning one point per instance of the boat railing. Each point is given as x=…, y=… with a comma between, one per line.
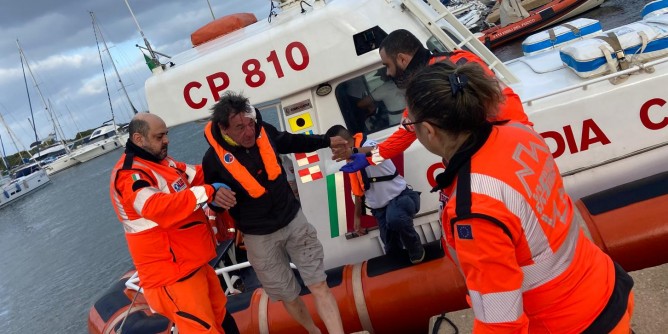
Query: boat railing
x=645, y=67
x=133, y=282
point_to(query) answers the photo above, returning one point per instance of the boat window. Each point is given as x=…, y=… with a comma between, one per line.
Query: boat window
x=271, y=114
x=368, y=40
x=370, y=102
x=434, y=45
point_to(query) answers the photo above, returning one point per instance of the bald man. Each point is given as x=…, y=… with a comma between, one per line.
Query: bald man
x=158, y=200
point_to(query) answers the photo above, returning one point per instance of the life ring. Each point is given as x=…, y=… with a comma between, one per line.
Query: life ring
x=221, y=26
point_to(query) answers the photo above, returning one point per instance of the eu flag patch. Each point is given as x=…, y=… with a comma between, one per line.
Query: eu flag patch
x=465, y=232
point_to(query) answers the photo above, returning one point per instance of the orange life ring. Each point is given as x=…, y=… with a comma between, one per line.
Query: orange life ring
x=221, y=26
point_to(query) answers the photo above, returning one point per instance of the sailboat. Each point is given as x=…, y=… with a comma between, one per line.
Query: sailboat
x=109, y=136
x=26, y=178
x=61, y=162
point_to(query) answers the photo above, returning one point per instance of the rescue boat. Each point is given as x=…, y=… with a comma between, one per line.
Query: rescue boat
x=601, y=118
x=539, y=18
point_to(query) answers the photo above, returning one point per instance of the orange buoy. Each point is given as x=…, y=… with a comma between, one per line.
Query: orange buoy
x=383, y=295
x=221, y=26
x=628, y=221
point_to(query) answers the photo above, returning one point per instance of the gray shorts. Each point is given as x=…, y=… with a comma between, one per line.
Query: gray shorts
x=270, y=256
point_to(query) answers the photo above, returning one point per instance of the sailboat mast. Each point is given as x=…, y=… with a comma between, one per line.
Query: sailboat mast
x=25, y=80
x=113, y=120
x=112, y=63
x=39, y=92
x=4, y=156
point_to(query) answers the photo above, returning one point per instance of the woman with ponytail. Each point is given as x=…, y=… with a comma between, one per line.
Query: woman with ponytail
x=508, y=223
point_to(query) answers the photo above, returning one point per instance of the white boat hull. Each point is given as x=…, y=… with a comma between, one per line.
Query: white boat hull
x=60, y=164
x=92, y=151
x=22, y=186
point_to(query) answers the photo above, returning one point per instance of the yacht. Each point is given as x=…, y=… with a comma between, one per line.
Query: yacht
x=54, y=159
x=24, y=180
x=102, y=140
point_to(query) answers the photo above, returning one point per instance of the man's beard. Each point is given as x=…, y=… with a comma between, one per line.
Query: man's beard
x=400, y=78
x=158, y=153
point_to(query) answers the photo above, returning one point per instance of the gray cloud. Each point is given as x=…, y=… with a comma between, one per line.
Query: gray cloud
x=57, y=38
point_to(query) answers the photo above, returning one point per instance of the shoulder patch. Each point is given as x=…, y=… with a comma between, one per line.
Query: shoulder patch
x=465, y=232
x=228, y=158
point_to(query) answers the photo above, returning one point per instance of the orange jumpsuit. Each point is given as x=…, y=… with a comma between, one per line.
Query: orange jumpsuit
x=511, y=229
x=400, y=140
x=169, y=239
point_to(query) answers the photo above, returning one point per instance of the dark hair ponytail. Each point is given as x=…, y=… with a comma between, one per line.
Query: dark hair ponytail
x=456, y=99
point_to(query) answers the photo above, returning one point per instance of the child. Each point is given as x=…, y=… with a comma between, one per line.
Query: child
x=391, y=201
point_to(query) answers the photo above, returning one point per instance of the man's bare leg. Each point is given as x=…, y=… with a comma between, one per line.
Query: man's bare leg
x=297, y=309
x=327, y=308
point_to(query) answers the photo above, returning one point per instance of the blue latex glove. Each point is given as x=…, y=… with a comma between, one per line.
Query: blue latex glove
x=358, y=162
x=219, y=185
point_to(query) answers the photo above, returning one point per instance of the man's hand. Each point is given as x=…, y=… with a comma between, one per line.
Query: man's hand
x=224, y=196
x=340, y=149
x=358, y=162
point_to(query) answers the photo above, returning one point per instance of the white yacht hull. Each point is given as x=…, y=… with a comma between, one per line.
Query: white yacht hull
x=60, y=164
x=92, y=151
x=22, y=186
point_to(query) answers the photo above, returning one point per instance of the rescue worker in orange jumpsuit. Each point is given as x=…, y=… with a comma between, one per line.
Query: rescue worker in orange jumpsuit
x=243, y=162
x=402, y=54
x=509, y=225
x=159, y=203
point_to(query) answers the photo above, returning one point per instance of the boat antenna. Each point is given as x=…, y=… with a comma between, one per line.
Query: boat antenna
x=104, y=74
x=154, y=58
x=210, y=9
x=25, y=80
x=134, y=110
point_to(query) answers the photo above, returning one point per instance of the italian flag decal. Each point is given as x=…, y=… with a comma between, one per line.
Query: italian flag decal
x=341, y=205
x=336, y=204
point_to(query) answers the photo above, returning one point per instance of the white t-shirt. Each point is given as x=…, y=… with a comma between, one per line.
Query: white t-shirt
x=380, y=193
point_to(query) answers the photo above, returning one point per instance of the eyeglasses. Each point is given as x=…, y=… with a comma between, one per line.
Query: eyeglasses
x=410, y=126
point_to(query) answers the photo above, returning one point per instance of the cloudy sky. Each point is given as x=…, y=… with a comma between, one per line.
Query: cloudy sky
x=58, y=41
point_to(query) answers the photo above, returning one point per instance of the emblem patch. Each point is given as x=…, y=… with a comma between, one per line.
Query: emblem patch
x=464, y=232
x=228, y=158
x=179, y=185
x=443, y=198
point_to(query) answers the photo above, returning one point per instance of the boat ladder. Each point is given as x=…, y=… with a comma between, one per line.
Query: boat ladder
x=469, y=41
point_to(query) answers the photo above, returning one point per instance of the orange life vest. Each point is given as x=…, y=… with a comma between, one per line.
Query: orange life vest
x=167, y=231
x=238, y=171
x=356, y=179
x=550, y=275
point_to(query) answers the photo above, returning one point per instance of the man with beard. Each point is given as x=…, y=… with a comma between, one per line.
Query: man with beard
x=159, y=202
x=402, y=54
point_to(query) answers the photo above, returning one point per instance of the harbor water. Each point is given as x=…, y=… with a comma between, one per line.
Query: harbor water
x=62, y=247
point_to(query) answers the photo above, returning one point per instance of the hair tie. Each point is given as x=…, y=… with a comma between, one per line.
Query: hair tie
x=457, y=82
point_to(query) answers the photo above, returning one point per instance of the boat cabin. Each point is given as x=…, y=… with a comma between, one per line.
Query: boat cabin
x=308, y=70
